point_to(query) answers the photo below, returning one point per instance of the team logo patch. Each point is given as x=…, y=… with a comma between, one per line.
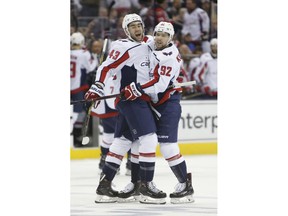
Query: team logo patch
x=167, y=54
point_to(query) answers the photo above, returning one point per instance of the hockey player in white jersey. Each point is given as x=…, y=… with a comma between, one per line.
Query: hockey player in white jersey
x=166, y=64
x=192, y=68
x=107, y=114
x=207, y=72
x=128, y=62
x=81, y=63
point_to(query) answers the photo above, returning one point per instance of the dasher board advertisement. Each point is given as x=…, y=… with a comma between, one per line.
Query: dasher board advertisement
x=198, y=121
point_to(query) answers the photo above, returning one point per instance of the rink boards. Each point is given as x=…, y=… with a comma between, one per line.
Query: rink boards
x=197, y=131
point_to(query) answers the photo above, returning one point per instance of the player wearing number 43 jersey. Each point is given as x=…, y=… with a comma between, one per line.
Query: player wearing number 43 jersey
x=166, y=64
x=128, y=62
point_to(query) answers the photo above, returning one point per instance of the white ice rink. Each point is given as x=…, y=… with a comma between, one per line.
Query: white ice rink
x=84, y=180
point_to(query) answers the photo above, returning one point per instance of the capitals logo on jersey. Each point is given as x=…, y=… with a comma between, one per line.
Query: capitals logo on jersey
x=167, y=54
x=145, y=63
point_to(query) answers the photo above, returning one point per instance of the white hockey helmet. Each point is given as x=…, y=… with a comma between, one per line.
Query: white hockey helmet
x=165, y=27
x=213, y=46
x=129, y=18
x=77, y=38
x=213, y=42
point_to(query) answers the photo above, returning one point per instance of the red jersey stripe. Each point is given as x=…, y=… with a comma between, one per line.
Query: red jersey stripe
x=113, y=65
x=120, y=157
x=105, y=115
x=134, y=155
x=175, y=157
x=152, y=154
x=154, y=80
x=202, y=72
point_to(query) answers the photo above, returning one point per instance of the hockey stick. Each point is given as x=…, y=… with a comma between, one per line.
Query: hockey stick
x=96, y=99
x=85, y=139
x=116, y=95
x=110, y=7
x=184, y=84
x=195, y=95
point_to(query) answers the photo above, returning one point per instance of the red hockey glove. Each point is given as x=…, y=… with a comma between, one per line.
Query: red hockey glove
x=180, y=78
x=96, y=90
x=132, y=91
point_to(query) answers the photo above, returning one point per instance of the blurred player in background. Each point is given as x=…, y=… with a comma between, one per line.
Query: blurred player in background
x=207, y=72
x=81, y=63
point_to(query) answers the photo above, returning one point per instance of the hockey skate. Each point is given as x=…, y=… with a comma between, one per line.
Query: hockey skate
x=183, y=192
x=104, y=191
x=130, y=193
x=149, y=194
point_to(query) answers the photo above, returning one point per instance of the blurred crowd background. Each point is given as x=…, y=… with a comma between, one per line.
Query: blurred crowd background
x=194, y=21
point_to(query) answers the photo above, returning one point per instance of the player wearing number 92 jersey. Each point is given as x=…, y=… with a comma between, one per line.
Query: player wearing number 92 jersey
x=165, y=68
x=165, y=62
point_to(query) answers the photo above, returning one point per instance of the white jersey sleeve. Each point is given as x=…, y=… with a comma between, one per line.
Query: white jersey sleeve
x=79, y=59
x=208, y=72
x=192, y=68
x=88, y=62
x=204, y=19
x=202, y=69
x=165, y=65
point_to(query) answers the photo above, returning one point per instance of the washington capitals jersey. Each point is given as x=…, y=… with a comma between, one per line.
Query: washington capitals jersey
x=127, y=62
x=106, y=108
x=80, y=64
x=165, y=68
x=208, y=71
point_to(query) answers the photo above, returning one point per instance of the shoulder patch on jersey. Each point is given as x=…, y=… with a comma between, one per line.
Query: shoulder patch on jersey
x=167, y=54
x=145, y=39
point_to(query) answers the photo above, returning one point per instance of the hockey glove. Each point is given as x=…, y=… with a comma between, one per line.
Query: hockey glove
x=96, y=90
x=132, y=91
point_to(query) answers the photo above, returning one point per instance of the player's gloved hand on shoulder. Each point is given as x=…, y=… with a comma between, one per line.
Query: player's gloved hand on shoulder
x=96, y=90
x=132, y=91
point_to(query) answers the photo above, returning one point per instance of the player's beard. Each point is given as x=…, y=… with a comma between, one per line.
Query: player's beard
x=159, y=45
x=138, y=37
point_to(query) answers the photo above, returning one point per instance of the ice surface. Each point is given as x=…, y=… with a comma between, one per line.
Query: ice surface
x=85, y=176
